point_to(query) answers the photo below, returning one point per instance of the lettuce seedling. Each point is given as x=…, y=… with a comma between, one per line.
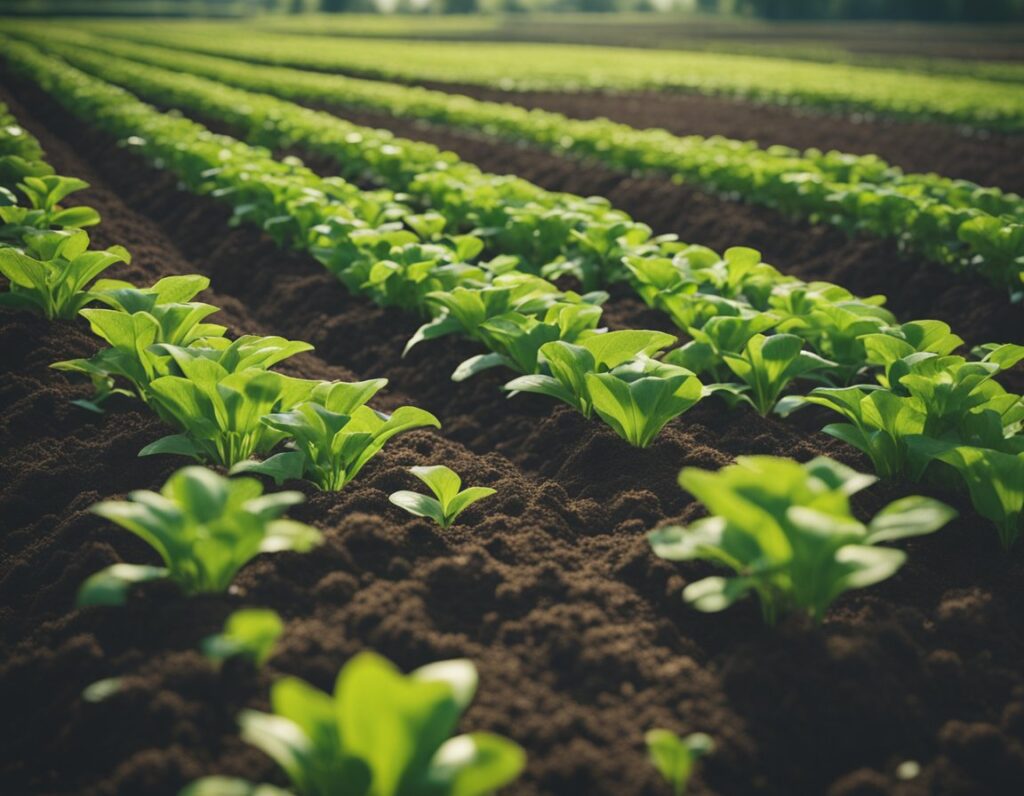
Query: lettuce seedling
x=995, y=480
x=221, y=413
x=44, y=192
x=464, y=309
x=139, y=319
x=836, y=330
x=880, y=423
x=723, y=334
x=638, y=398
x=569, y=364
x=450, y=498
x=204, y=527
x=381, y=733
x=787, y=531
x=515, y=340
x=941, y=397
x=52, y=273
x=249, y=633
x=899, y=343
x=767, y=365
x=248, y=352
x=675, y=757
x=334, y=434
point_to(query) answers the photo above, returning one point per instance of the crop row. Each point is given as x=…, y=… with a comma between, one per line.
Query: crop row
x=225, y=402
x=957, y=223
x=903, y=421
x=520, y=227
x=978, y=103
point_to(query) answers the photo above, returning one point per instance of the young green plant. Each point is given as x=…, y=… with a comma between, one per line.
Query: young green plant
x=449, y=500
x=381, y=733
x=787, y=531
x=249, y=633
x=334, y=434
x=675, y=757
x=204, y=527
x=51, y=275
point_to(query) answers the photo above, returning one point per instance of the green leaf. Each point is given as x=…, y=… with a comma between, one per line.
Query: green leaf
x=286, y=466
x=110, y=586
x=249, y=633
x=175, y=444
x=478, y=364
x=476, y=764
x=674, y=757
x=909, y=516
x=230, y=786
x=419, y=505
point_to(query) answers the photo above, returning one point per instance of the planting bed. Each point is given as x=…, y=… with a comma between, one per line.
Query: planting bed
x=578, y=630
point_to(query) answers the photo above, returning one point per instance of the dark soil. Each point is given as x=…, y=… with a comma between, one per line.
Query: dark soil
x=916, y=288
x=578, y=630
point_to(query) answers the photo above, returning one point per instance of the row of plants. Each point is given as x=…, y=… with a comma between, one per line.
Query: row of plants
x=614, y=376
x=381, y=733
x=957, y=223
x=382, y=249
x=562, y=67
x=553, y=234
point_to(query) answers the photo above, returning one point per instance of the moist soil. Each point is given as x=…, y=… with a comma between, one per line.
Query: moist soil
x=579, y=633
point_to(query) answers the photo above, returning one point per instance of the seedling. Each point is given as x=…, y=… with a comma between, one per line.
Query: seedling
x=52, y=274
x=639, y=398
x=137, y=320
x=219, y=412
x=44, y=192
x=381, y=733
x=204, y=527
x=675, y=757
x=994, y=479
x=787, y=531
x=334, y=435
x=570, y=363
x=249, y=633
x=450, y=499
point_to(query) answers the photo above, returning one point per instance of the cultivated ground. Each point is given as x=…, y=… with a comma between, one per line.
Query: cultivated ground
x=578, y=630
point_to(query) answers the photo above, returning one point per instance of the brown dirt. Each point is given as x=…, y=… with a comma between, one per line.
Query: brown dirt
x=578, y=631
x=866, y=266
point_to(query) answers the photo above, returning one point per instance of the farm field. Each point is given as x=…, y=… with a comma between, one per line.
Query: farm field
x=725, y=350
